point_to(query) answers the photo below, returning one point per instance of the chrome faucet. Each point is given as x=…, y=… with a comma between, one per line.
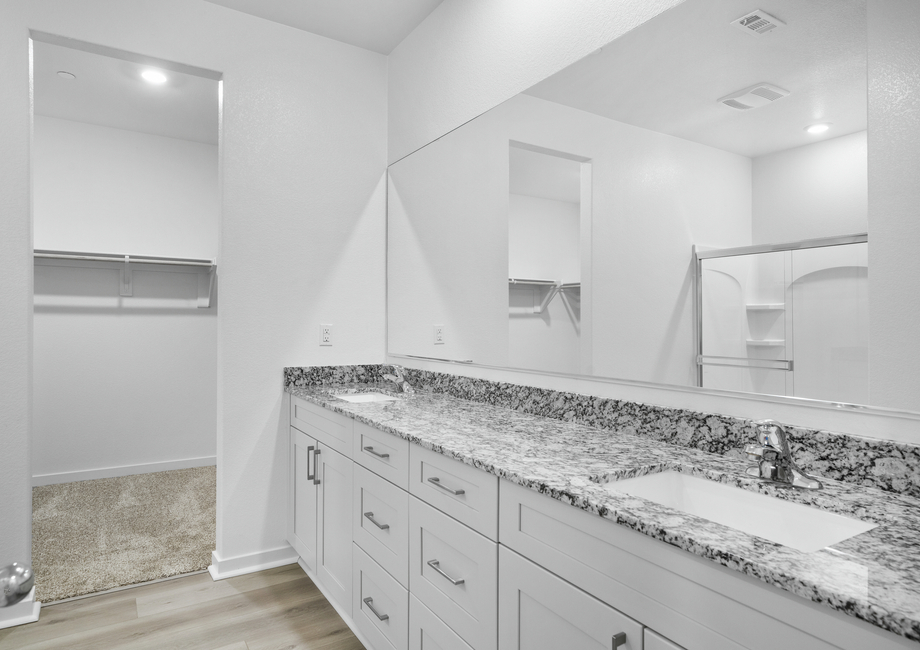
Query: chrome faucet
x=775, y=460
x=399, y=378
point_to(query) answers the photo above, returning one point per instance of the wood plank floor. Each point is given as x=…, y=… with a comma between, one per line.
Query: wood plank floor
x=270, y=610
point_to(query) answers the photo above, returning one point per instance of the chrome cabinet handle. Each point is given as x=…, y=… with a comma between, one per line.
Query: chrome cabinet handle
x=370, y=605
x=370, y=515
x=370, y=450
x=436, y=565
x=315, y=468
x=436, y=481
x=619, y=639
x=310, y=477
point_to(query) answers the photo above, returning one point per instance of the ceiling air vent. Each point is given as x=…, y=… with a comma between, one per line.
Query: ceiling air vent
x=758, y=23
x=754, y=97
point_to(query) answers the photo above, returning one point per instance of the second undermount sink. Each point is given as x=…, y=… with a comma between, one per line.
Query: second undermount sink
x=366, y=397
x=791, y=524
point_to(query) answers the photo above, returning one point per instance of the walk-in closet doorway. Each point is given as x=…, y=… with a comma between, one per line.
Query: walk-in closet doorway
x=125, y=213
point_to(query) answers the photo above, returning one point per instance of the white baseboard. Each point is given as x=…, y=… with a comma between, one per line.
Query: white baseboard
x=125, y=470
x=349, y=621
x=222, y=568
x=25, y=611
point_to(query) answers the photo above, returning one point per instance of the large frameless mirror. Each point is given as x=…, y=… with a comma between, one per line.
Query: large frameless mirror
x=686, y=206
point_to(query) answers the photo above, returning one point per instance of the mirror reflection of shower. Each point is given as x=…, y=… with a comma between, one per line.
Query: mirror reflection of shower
x=545, y=261
x=787, y=322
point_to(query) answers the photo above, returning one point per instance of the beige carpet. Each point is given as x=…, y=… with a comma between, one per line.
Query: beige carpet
x=91, y=536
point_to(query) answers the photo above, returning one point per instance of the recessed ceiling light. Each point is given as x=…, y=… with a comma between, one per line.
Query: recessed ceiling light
x=154, y=76
x=815, y=129
x=63, y=74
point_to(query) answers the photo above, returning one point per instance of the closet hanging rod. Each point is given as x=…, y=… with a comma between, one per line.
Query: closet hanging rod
x=548, y=283
x=136, y=259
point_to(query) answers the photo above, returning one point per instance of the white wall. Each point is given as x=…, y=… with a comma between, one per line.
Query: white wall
x=894, y=197
x=303, y=149
x=101, y=189
x=122, y=385
x=653, y=197
x=543, y=243
x=543, y=239
x=469, y=55
x=817, y=190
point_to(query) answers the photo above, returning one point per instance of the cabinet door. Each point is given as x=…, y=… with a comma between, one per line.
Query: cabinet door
x=334, y=516
x=538, y=611
x=302, y=504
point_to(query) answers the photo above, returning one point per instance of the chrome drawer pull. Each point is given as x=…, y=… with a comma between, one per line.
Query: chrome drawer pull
x=310, y=476
x=370, y=450
x=436, y=481
x=436, y=565
x=370, y=605
x=315, y=467
x=619, y=639
x=370, y=515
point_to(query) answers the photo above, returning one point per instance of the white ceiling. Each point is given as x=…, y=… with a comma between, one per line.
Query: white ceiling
x=377, y=25
x=668, y=74
x=109, y=91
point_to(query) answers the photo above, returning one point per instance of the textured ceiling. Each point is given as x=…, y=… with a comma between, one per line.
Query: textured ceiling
x=668, y=74
x=377, y=25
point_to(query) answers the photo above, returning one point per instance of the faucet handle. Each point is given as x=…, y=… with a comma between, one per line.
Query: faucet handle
x=771, y=433
x=754, y=452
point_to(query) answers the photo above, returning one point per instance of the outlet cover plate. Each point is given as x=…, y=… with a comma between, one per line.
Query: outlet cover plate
x=325, y=334
x=439, y=335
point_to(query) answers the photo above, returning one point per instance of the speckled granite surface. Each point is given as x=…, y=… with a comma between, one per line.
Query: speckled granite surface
x=874, y=576
x=890, y=466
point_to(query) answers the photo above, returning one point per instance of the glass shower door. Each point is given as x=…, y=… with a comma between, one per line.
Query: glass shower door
x=830, y=298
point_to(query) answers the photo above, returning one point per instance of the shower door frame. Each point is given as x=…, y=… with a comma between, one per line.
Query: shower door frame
x=704, y=254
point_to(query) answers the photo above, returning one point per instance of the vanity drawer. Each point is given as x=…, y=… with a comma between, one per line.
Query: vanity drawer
x=382, y=453
x=380, y=608
x=467, y=494
x=428, y=632
x=326, y=426
x=387, y=540
x=652, y=641
x=454, y=571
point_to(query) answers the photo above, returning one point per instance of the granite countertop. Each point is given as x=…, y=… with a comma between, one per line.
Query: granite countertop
x=874, y=576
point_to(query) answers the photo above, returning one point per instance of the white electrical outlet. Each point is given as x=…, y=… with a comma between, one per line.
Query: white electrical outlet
x=325, y=334
x=439, y=335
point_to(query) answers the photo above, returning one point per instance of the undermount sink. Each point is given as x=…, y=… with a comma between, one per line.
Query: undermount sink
x=784, y=522
x=366, y=397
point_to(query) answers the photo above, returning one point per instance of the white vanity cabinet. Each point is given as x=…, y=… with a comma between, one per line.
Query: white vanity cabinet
x=320, y=519
x=417, y=550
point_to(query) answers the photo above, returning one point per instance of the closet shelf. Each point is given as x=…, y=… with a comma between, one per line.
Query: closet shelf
x=126, y=263
x=553, y=286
